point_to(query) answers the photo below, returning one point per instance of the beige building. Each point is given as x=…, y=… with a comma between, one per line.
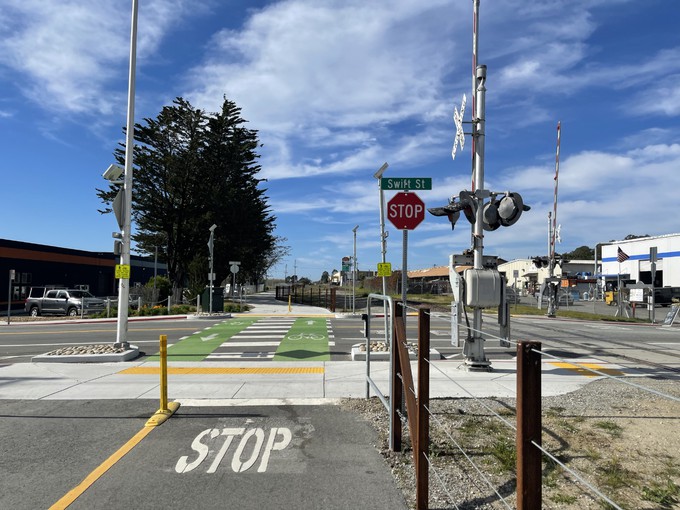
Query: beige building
x=523, y=275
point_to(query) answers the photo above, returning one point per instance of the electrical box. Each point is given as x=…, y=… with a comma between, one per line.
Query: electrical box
x=483, y=288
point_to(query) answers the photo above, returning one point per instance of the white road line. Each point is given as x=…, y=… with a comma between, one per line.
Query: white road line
x=258, y=344
x=246, y=355
x=250, y=344
x=263, y=332
x=254, y=337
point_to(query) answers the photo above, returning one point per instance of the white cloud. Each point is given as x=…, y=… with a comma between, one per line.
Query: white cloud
x=662, y=98
x=336, y=73
x=72, y=56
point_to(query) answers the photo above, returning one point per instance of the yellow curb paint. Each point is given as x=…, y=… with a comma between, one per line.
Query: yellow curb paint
x=76, y=492
x=582, y=368
x=223, y=370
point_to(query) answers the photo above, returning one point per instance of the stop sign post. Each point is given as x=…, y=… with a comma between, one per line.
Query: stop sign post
x=406, y=211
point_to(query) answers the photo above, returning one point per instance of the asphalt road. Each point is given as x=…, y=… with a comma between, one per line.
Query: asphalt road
x=19, y=342
x=303, y=457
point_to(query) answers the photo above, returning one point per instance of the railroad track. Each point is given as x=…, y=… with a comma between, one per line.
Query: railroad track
x=550, y=341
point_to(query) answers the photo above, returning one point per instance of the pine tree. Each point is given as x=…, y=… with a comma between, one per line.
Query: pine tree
x=194, y=169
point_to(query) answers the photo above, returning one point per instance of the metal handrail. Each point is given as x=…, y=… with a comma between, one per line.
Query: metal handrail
x=389, y=404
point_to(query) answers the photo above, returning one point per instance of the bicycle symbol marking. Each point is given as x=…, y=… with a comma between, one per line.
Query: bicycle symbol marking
x=305, y=336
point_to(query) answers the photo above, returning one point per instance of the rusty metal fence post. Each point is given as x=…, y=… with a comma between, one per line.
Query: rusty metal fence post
x=423, y=418
x=396, y=390
x=529, y=483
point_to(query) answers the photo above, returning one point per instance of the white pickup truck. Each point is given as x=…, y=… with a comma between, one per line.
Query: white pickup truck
x=61, y=302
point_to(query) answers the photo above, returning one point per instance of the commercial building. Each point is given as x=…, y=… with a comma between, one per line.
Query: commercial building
x=42, y=265
x=634, y=261
x=526, y=278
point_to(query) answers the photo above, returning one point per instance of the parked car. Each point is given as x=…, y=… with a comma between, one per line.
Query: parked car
x=70, y=302
x=666, y=296
x=564, y=298
x=511, y=295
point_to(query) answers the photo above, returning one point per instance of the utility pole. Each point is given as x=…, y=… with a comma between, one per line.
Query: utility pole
x=354, y=271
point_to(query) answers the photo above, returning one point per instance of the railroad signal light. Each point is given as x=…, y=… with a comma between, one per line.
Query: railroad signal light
x=496, y=213
x=510, y=208
x=540, y=261
x=490, y=215
x=465, y=202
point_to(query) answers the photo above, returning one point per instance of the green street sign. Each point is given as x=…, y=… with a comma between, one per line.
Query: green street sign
x=405, y=183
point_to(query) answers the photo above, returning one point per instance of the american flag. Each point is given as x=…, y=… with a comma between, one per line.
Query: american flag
x=621, y=255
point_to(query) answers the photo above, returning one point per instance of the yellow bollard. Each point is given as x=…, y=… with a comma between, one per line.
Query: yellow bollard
x=165, y=410
x=164, y=372
x=289, y=307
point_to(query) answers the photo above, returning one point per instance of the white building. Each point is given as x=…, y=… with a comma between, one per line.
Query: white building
x=637, y=266
x=524, y=276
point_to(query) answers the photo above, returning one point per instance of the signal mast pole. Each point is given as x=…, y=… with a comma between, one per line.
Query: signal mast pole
x=473, y=349
x=552, y=229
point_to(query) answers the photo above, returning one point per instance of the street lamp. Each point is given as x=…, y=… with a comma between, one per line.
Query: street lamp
x=122, y=204
x=383, y=235
x=354, y=270
x=211, y=243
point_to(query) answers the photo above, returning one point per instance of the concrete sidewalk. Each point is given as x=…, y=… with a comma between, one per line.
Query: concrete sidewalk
x=244, y=382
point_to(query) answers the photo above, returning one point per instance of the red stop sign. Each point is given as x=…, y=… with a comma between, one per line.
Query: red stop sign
x=405, y=211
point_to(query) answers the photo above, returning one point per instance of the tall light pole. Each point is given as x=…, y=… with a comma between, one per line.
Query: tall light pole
x=354, y=270
x=383, y=235
x=124, y=283
x=211, y=243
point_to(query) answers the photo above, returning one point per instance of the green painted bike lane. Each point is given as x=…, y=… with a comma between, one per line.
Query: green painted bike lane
x=307, y=340
x=201, y=344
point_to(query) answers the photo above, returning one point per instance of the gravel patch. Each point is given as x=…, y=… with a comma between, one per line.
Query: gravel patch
x=622, y=440
x=87, y=349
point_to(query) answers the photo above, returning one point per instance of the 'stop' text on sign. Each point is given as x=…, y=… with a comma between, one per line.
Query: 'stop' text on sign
x=405, y=210
x=406, y=183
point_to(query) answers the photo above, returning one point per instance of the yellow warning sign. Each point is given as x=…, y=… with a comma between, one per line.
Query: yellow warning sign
x=122, y=271
x=384, y=269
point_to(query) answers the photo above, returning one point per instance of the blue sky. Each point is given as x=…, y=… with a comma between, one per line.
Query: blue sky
x=337, y=88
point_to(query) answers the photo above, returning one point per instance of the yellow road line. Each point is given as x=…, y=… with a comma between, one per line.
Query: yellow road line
x=582, y=368
x=223, y=370
x=76, y=492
